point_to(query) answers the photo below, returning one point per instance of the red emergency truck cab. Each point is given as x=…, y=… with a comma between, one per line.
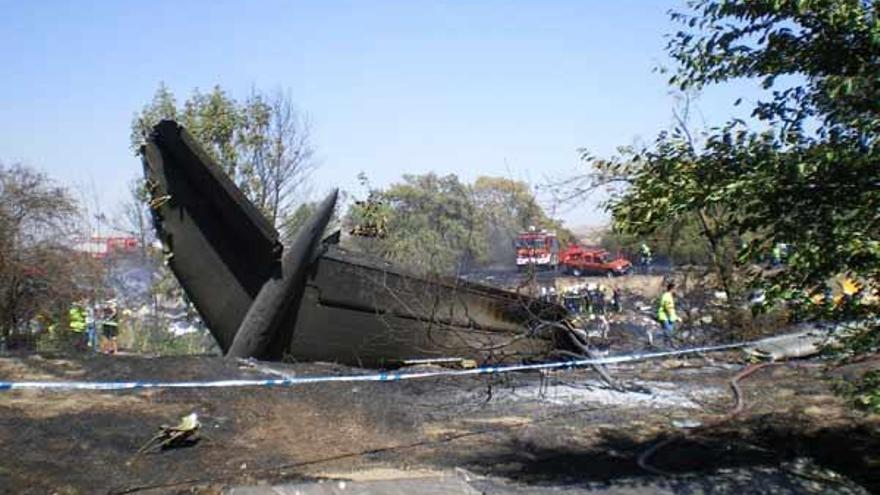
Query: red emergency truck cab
x=537, y=248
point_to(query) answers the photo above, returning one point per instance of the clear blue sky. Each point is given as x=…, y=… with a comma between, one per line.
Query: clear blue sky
x=507, y=88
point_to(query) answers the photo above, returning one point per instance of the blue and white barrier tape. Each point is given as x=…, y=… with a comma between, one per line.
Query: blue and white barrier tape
x=376, y=377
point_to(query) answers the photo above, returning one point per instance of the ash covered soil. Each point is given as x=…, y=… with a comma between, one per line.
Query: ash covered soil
x=560, y=432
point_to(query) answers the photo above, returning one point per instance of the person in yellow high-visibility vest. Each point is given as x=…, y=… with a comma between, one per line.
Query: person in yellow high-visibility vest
x=666, y=313
x=76, y=317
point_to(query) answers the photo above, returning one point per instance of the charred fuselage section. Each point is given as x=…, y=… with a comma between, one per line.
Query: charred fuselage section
x=310, y=299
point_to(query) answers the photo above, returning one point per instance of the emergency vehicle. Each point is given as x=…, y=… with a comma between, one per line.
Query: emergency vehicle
x=538, y=248
x=577, y=260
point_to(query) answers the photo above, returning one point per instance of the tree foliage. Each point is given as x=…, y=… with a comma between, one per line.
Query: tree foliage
x=678, y=242
x=509, y=207
x=440, y=224
x=296, y=219
x=431, y=223
x=262, y=143
x=808, y=178
x=39, y=273
x=661, y=194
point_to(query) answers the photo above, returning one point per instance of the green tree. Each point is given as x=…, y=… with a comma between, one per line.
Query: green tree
x=262, y=143
x=808, y=178
x=39, y=273
x=440, y=224
x=646, y=185
x=214, y=119
x=163, y=106
x=292, y=223
x=509, y=207
x=277, y=157
x=433, y=224
x=680, y=241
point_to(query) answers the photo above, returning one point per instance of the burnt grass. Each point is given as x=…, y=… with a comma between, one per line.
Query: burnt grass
x=86, y=442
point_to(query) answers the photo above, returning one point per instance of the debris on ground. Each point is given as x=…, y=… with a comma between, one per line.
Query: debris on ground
x=686, y=423
x=803, y=343
x=183, y=434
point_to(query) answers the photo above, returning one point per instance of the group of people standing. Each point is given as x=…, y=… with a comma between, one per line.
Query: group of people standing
x=590, y=302
x=85, y=320
x=592, y=299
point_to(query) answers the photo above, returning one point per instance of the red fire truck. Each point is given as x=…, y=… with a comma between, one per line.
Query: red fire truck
x=538, y=248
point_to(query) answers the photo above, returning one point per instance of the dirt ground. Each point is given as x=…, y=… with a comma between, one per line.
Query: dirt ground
x=561, y=432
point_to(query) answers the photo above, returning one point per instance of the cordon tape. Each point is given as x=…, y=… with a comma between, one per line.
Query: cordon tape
x=290, y=381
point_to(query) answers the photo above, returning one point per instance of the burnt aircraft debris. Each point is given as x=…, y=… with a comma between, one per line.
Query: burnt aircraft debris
x=313, y=300
x=374, y=222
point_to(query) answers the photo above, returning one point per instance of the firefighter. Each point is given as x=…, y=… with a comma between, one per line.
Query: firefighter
x=597, y=299
x=645, y=257
x=76, y=316
x=615, y=301
x=573, y=302
x=589, y=308
x=666, y=313
x=91, y=329
x=110, y=328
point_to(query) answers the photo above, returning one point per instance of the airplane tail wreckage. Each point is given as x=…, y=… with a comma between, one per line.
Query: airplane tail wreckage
x=310, y=299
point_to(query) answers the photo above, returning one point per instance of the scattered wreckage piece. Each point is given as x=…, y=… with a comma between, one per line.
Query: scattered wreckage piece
x=792, y=345
x=312, y=300
x=809, y=341
x=183, y=434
